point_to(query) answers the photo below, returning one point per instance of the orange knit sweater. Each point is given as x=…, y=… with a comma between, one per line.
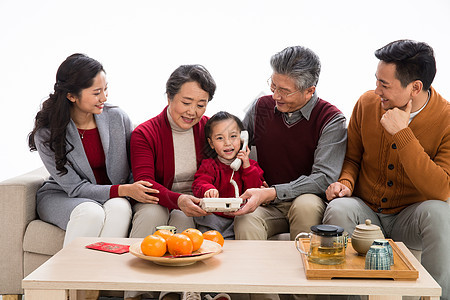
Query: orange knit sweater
x=391, y=172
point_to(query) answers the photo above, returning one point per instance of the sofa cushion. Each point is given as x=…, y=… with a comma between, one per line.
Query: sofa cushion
x=43, y=238
x=281, y=237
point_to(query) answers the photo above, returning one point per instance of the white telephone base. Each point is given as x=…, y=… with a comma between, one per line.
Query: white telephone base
x=220, y=204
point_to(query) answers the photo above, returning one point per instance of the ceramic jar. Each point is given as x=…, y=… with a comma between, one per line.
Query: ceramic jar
x=364, y=235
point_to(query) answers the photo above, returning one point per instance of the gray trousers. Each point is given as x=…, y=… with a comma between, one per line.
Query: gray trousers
x=421, y=226
x=215, y=222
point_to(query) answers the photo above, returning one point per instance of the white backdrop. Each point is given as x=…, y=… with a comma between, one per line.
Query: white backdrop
x=141, y=42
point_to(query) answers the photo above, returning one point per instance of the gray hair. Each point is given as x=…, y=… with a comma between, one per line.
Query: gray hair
x=299, y=63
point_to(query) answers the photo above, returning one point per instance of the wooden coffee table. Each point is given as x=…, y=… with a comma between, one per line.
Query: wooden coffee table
x=242, y=267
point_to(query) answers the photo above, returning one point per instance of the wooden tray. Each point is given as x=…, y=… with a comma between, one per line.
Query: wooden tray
x=353, y=267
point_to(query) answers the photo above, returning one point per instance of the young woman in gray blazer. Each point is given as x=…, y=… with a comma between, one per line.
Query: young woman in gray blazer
x=84, y=144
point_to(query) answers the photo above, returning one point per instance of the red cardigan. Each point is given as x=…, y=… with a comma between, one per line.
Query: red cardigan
x=213, y=174
x=152, y=155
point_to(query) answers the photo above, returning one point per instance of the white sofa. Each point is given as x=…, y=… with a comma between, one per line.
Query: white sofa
x=26, y=241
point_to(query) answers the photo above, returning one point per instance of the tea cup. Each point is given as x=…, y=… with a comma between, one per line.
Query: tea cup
x=377, y=258
x=385, y=243
x=172, y=229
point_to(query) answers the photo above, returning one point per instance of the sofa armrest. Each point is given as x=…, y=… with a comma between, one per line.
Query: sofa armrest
x=17, y=210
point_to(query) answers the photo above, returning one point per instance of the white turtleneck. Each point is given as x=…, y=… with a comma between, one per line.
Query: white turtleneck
x=185, y=157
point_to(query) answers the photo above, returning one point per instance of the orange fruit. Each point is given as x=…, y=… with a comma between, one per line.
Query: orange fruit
x=179, y=244
x=154, y=245
x=196, y=237
x=215, y=236
x=164, y=233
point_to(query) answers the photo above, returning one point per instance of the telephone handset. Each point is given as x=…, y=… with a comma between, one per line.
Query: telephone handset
x=236, y=164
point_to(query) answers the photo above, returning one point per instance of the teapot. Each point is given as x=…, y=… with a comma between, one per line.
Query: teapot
x=327, y=244
x=364, y=235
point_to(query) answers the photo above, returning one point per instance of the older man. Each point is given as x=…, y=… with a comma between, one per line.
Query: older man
x=300, y=142
x=397, y=166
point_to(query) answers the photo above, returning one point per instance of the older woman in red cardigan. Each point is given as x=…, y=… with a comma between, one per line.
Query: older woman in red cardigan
x=167, y=151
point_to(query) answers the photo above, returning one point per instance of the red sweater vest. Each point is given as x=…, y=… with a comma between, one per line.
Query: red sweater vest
x=286, y=152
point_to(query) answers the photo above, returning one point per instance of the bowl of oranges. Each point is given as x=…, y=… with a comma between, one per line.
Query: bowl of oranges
x=179, y=249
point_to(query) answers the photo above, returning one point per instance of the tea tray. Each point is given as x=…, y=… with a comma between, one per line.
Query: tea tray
x=353, y=267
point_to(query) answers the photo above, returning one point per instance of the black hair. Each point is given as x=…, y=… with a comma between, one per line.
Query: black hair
x=413, y=61
x=190, y=73
x=220, y=116
x=76, y=72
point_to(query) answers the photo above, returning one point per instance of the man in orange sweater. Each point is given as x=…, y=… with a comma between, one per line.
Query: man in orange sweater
x=396, y=169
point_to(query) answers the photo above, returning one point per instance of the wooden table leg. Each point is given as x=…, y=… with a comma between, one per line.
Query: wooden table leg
x=46, y=294
x=384, y=297
x=11, y=297
x=73, y=295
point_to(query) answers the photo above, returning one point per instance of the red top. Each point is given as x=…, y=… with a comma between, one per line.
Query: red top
x=214, y=174
x=152, y=155
x=93, y=148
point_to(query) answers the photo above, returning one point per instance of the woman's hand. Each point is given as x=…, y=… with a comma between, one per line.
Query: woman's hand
x=139, y=191
x=190, y=206
x=243, y=155
x=211, y=193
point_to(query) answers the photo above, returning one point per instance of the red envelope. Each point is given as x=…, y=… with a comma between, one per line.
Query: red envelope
x=109, y=247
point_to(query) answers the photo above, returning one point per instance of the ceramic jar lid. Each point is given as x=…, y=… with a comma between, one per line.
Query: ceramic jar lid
x=367, y=231
x=368, y=226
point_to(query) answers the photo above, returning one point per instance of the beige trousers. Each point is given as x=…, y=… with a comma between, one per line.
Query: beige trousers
x=294, y=217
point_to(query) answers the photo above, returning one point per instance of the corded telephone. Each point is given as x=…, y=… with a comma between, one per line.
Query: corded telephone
x=236, y=164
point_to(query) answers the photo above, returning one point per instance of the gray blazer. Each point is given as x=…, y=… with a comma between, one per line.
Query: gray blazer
x=115, y=129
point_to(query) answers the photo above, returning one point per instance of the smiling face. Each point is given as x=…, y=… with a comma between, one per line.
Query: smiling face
x=91, y=100
x=188, y=105
x=225, y=138
x=389, y=88
x=295, y=100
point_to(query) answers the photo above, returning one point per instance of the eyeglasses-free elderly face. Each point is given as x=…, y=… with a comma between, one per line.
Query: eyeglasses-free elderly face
x=284, y=93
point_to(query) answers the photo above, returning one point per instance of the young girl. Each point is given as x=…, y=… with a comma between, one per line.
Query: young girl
x=212, y=180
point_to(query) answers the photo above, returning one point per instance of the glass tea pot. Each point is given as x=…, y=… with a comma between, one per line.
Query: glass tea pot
x=326, y=244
